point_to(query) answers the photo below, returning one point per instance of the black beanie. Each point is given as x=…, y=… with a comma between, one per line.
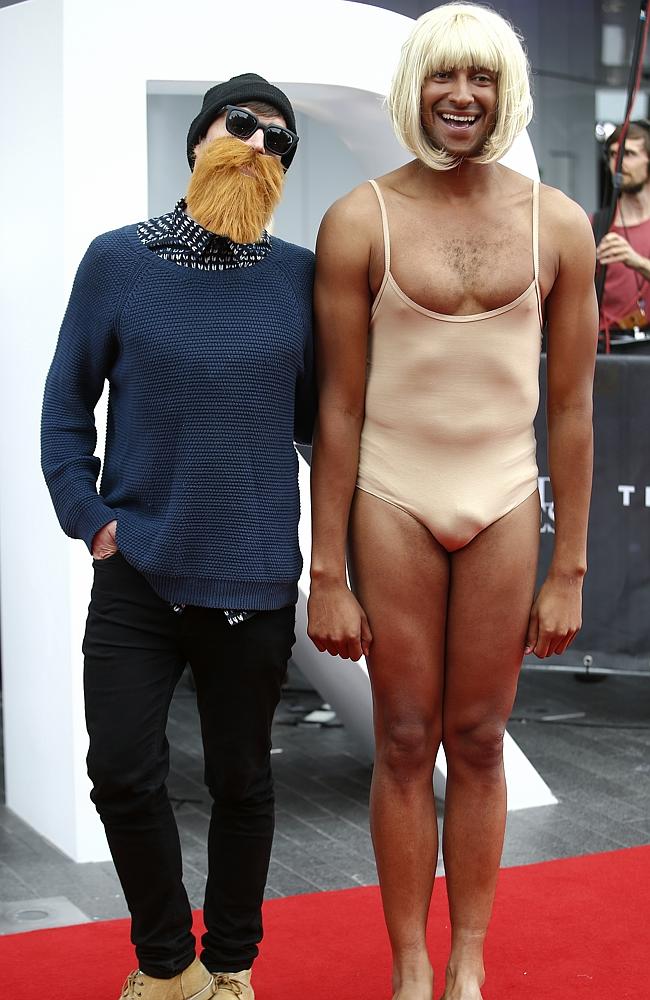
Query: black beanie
x=240, y=90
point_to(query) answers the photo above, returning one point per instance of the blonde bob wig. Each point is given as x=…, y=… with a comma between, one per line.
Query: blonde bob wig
x=461, y=36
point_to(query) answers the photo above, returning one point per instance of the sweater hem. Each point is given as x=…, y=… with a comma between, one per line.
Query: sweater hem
x=238, y=595
x=93, y=516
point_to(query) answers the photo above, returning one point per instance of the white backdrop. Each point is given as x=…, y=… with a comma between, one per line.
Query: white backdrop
x=75, y=76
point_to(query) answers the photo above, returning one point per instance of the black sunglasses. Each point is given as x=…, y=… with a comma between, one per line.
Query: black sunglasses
x=243, y=124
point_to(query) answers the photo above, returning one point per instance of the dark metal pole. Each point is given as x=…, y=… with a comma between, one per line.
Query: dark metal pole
x=636, y=69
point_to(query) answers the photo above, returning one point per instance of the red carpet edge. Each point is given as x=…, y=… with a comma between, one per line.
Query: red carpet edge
x=561, y=930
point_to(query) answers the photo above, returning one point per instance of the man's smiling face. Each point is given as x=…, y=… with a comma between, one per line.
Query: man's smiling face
x=458, y=109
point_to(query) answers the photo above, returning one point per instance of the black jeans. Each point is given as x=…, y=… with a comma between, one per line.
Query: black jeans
x=136, y=647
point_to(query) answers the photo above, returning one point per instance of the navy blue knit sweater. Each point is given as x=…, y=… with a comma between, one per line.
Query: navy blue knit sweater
x=210, y=376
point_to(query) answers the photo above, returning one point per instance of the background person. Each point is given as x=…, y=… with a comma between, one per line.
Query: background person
x=626, y=248
x=201, y=323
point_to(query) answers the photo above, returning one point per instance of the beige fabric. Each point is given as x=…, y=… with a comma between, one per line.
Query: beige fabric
x=194, y=983
x=450, y=402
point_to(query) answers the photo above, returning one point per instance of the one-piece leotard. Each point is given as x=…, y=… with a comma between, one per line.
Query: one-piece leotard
x=448, y=433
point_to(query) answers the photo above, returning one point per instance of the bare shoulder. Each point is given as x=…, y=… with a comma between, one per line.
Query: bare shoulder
x=565, y=224
x=513, y=182
x=353, y=214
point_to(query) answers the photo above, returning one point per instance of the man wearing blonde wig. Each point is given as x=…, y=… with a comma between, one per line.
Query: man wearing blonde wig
x=432, y=285
x=200, y=321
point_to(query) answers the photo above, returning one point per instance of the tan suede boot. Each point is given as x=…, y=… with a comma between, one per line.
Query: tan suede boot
x=194, y=983
x=234, y=984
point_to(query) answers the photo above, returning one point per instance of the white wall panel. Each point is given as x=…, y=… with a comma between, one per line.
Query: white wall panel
x=75, y=77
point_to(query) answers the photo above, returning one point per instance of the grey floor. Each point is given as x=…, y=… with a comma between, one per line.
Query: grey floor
x=591, y=743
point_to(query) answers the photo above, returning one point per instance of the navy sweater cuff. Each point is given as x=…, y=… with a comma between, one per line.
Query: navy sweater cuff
x=90, y=519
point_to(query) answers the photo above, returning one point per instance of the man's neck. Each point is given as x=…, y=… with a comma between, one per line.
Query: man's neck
x=468, y=180
x=634, y=208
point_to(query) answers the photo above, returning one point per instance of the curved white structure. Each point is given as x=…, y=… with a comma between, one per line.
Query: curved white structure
x=346, y=686
x=83, y=76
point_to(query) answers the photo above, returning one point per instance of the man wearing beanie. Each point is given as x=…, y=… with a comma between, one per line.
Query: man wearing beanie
x=201, y=323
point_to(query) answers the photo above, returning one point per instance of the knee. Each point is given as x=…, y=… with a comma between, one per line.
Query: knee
x=123, y=787
x=241, y=784
x=477, y=746
x=407, y=748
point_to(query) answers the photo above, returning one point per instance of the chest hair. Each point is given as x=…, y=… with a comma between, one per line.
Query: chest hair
x=471, y=262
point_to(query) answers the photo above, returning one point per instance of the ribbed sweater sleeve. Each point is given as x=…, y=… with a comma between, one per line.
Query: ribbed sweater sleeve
x=87, y=347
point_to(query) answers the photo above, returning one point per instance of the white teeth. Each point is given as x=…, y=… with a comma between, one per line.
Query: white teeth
x=459, y=118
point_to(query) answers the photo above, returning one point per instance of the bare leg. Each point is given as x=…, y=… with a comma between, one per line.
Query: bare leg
x=401, y=578
x=490, y=595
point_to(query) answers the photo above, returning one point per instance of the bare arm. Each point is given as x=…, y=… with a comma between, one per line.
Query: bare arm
x=613, y=249
x=572, y=339
x=342, y=308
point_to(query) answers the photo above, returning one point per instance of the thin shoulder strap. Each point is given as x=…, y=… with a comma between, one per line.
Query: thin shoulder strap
x=536, y=250
x=384, y=226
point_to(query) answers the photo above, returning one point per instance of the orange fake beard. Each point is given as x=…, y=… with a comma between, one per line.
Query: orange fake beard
x=230, y=201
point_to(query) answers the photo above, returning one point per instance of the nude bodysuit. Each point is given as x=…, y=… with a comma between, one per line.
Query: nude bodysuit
x=450, y=401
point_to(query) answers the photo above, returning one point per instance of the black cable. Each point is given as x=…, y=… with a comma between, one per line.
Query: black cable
x=608, y=211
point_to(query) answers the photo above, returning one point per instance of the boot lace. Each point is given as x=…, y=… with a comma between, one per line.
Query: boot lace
x=129, y=991
x=224, y=982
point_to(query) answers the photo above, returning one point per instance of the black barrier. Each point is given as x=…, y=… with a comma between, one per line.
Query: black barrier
x=616, y=614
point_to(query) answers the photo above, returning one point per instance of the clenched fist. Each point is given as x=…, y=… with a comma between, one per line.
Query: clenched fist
x=336, y=622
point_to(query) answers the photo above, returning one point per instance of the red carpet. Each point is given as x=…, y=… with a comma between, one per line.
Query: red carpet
x=561, y=930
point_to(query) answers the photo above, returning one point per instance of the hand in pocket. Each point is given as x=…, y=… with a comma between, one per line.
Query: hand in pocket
x=104, y=544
